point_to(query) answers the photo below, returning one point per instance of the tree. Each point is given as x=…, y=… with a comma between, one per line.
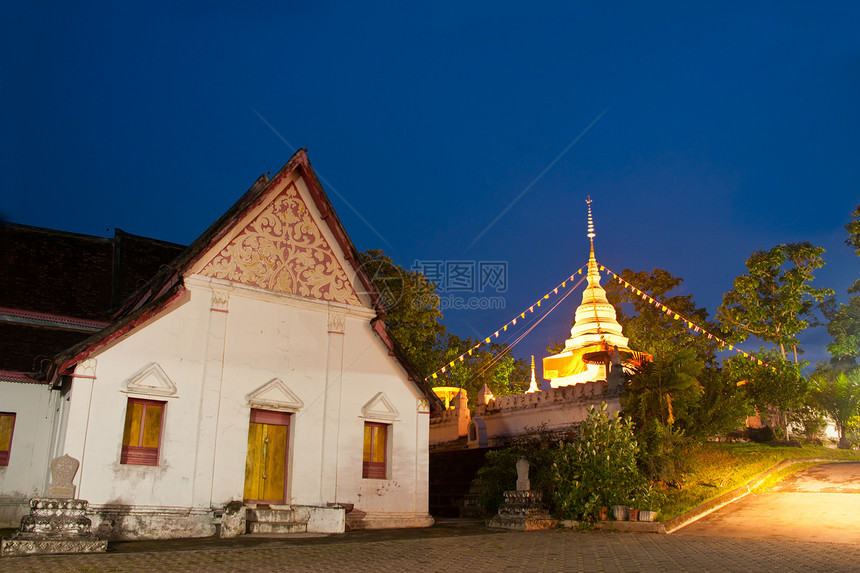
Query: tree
x=773, y=301
x=413, y=318
x=723, y=406
x=649, y=327
x=490, y=364
x=843, y=324
x=843, y=320
x=853, y=228
x=837, y=394
x=776, y=385
x=412, y=309
x=665, y=389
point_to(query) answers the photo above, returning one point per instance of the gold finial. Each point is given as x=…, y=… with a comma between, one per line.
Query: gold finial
x=590, y=234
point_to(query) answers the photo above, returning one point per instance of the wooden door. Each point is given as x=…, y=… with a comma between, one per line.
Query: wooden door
x=266, y=464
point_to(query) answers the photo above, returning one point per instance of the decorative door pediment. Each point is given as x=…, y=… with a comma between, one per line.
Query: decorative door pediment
x=275, y=395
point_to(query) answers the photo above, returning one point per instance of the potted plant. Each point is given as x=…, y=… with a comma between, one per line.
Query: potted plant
x=649, y=499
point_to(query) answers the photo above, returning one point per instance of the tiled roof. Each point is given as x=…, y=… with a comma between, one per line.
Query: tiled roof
x=58, y=288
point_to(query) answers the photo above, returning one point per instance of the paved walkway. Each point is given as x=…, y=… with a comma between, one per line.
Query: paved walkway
x=820, y=503
x=763, y=532
x=447, y=548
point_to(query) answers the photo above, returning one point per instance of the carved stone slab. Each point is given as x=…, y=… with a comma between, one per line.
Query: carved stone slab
x=63, y=470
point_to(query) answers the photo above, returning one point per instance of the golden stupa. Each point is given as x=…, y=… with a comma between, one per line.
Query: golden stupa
x=596, y=339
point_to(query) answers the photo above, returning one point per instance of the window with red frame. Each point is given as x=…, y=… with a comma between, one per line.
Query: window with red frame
x=375, y=443
x=7, y=427
x=141, y=438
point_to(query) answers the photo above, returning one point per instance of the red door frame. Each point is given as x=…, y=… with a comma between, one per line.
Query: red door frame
x=274, y=418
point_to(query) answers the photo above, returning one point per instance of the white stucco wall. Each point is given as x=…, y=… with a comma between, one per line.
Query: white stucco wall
x=216, y=359
x=25, y=476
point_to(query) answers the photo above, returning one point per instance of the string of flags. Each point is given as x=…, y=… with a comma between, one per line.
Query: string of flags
x=676, y=316
x=513, y=322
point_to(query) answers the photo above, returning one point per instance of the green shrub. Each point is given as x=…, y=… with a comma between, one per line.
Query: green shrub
x=598, y=469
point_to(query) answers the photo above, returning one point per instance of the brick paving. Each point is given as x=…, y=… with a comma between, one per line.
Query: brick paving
x=449, y=548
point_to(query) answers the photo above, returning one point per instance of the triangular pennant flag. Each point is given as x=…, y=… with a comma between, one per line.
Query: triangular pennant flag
x=514, y=322
x=461, y=358
x=435, y=375
x=443, y=370
x=487, y=340
x=505, y=328
x=470, y=351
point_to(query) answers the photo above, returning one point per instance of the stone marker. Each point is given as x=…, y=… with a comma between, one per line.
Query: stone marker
x=523, y=483
x=522, y=509
x=63, y=470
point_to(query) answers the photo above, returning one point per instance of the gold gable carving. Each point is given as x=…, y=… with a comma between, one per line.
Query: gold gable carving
x=283, y=250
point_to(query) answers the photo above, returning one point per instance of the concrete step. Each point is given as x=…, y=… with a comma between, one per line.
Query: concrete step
x=270, y=515
x=277, y=527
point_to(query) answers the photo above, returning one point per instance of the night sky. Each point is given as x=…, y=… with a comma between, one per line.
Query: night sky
x=453, y=131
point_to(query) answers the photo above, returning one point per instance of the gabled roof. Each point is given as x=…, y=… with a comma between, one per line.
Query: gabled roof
x=167, y=285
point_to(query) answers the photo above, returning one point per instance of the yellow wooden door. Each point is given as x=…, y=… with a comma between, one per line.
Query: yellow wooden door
x=266, y=462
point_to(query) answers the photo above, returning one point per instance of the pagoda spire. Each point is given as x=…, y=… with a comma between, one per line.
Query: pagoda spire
x=591, y=234
x=533, y=387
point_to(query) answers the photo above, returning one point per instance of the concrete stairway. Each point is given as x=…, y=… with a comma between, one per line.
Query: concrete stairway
x=273, y=519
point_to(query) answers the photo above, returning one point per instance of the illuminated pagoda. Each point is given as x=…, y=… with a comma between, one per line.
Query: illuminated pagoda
x=596, y=341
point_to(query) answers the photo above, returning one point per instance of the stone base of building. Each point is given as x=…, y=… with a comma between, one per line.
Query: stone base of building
x=17, y=547
x=358, y=519
x=12, y=509
x=132, y=522
x=522, y=511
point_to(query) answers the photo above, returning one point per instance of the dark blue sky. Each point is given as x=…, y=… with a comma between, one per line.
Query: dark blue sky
x=724, y=129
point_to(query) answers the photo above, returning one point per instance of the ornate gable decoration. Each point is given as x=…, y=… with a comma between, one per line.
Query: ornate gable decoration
x=380, y=408
x=283, y=250
x=150, y=380
x=275, y=395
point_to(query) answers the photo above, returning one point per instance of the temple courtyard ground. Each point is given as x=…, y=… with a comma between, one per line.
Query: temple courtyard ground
x=809, y=522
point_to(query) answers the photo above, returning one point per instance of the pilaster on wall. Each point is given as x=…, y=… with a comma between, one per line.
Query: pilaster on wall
x=422, y=458
x=331, y=408
x=80, y=416
x=210, y=398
